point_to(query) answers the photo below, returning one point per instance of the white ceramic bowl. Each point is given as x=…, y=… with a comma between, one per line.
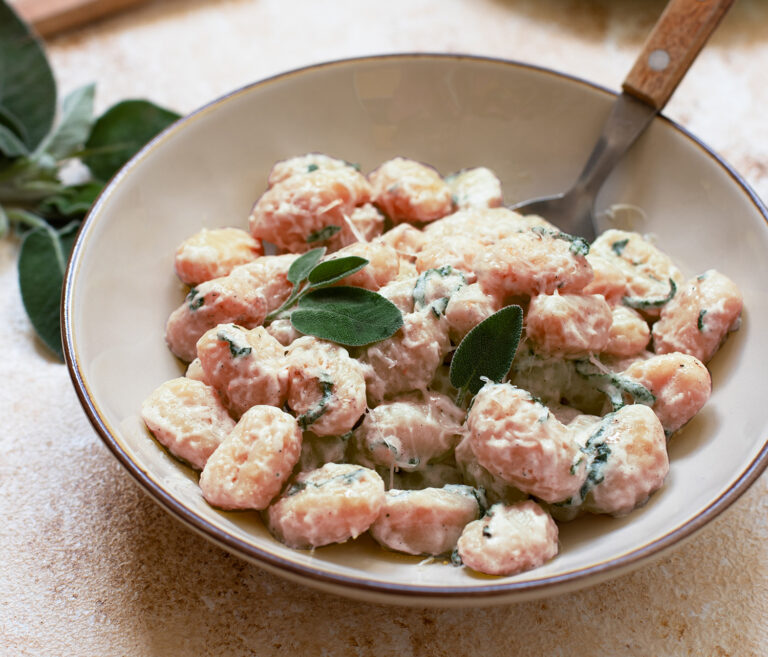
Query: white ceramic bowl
x=534, y=128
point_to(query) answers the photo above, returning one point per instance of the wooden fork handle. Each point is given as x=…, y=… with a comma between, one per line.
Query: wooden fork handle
x=676, y=39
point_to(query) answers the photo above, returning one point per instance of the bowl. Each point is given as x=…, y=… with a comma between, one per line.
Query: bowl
x=534, y=127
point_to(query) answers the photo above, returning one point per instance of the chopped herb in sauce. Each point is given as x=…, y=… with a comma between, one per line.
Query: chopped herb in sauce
x=456, y=559
x=619, y=245
x=579, y=246
x=315, y=412
x=614, y=385
x=236, y=350
x=700, y=320
x=323, y=234
x=419, y=293
x=312, y=167
x=641, y=304
x=194, y=299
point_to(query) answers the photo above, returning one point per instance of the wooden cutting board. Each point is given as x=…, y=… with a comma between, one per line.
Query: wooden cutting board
x=50, y=17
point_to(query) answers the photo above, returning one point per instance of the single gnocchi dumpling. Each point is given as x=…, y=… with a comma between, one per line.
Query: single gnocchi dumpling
x=474, y=474
x=700, y=316
x=383, y=264
x=680, y=383
x=533, y=262
x=434, y=288
x=188, y=418
x=245, y=366
x=651, y=276
x=629, y=333
x=406, y=190
x=517, y=438
x=218, y=301
x=293, y=212
x=427, y=521
x=326, y=388
x=568, y=325
x=214, y=253
x=485, y=225
x=509, y=539
x=410, y=431
x=409, y=359
x=466, y=308
x=460, y=254
x=251, y=465
x=475, y=188
x=268, y=274
x=626, y=460
x=405, y=239
x=303, y=164
x=329, y=505
x=282, y=330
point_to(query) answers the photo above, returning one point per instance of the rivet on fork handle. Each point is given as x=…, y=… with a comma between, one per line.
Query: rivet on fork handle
x=680, y=33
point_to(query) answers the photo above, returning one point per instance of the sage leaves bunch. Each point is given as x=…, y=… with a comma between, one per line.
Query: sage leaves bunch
x=349, y=316
x=486, y=352
x=51, y=171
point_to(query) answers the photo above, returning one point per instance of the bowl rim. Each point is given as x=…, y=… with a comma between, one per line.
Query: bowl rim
x=346, y=583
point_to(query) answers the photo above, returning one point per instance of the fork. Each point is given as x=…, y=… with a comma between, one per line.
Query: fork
x=676, y=39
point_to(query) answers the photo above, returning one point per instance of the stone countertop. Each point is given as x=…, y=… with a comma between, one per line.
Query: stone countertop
x=91, y=566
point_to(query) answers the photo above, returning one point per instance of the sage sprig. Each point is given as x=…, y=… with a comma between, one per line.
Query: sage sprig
x=40, y=200
x=308, y=273
x=486, y=352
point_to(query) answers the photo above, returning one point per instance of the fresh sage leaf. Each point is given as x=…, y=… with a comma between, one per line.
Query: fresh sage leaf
x=73, y=201
x=305, y=263
x=334, y=270
x=487, y=351
x=350, y=316
x=121, y=132
x=10, y=144
x=27, y=87
x=74, y=125
x=42, y=262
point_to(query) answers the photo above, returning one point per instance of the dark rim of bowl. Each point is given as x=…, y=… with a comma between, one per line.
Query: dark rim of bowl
x=338, y=582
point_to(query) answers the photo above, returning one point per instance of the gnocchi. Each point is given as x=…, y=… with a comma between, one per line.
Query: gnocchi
x=329, y=441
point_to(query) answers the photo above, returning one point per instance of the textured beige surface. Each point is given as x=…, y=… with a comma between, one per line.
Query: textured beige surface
x=91, y=566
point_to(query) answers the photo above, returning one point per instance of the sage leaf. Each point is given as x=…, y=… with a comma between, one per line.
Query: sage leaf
x=27, y=88
x=73, y=201
x=487, y=351
x=350, y=316
x=121, y=132
x=74, y=125
x=10, y=144
x=5, y=223
x=333, y=270
x=42, y=262
x=300, y=268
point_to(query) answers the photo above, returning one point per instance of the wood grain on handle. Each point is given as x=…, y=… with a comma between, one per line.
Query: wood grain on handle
x=676, y=39
x=53, y=16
